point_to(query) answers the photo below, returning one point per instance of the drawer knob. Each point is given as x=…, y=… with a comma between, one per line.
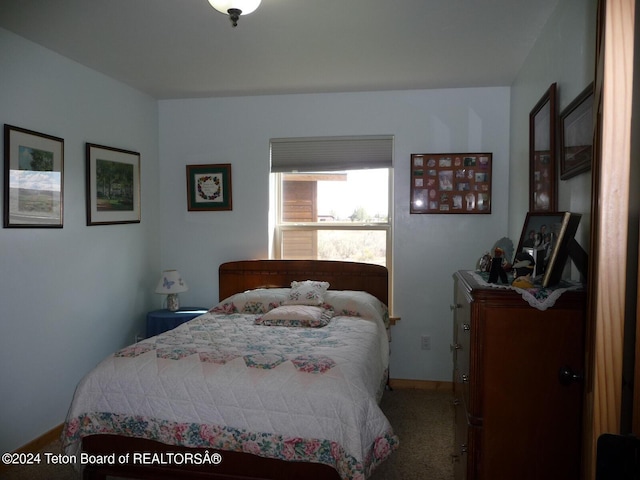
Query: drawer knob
x=465, y=378
x=567, y=376
x=466, y=327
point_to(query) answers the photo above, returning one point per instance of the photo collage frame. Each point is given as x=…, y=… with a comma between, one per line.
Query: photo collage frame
x=451, y=183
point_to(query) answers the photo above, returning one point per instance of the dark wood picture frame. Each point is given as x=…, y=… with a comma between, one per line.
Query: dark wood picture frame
x=451, y=183
x=550, y=254
x=112, y=185
x=209, y=187
x=576, y=140
x=33, y=179
x=542, y=153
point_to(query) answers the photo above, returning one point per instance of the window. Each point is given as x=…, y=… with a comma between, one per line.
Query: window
x=327, y=213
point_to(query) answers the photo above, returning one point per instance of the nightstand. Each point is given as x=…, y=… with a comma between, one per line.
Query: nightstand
x=160, y=321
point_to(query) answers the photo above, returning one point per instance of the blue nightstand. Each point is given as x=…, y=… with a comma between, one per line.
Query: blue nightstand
x=160, y=321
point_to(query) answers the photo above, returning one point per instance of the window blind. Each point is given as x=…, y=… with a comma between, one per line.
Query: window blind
x=322, y=154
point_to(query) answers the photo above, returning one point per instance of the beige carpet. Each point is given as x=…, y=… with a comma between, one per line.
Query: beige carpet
x=424, y=422
x=422, y=419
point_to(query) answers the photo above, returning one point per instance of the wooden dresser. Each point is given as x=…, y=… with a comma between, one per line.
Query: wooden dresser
x=518, y=398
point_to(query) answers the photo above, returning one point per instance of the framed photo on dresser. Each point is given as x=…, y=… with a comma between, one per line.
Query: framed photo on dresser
x=451, y=183
x=547, y=237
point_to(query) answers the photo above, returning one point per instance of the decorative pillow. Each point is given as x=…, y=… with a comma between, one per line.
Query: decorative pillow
x=309, y=292
x=257, y=301
x=296, y=316
x=351, y=303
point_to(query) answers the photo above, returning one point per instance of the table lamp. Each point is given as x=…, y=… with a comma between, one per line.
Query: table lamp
x=171, y=284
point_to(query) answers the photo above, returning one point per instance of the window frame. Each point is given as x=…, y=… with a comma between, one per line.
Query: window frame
x=280, y=226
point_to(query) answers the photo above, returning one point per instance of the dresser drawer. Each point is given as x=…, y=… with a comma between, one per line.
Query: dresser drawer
x=467, y=448
x=514, y=418
x=460, y=447
x=461, y=348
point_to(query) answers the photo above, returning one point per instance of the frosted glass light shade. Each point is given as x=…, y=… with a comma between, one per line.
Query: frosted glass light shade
x=245, y=6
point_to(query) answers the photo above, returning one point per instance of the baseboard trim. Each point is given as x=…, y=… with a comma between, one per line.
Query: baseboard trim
x=36, y=444
x=42, y=440
x=401, y=383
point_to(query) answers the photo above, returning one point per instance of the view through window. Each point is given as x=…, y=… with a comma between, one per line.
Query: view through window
x=335, y=216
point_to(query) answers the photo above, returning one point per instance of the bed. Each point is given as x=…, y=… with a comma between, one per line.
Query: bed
x=281, y=379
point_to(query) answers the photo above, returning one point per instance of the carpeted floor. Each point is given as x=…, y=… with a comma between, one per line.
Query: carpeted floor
x=424, y=422
x=422, y=419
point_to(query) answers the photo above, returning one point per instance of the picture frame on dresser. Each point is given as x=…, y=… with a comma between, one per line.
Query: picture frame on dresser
x=33, y=179
x=112, y=185
x=576, y=140
x=542, y=153
x=550, y=236
x=451, y=183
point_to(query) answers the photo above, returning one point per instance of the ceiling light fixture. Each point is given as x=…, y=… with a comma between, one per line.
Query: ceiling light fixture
x=235, y=8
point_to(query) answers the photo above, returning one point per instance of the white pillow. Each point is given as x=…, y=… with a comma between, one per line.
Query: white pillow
x=309, y=292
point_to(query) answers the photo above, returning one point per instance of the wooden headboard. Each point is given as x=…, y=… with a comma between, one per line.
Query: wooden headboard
x=236, y=277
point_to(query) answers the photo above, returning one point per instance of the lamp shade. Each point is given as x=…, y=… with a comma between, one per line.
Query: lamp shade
x=245, y=6
x=171, y=282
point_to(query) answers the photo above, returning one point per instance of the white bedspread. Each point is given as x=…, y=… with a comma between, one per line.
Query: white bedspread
x=221, y=381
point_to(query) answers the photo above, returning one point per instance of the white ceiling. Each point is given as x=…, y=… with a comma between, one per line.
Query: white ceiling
x=185, y=48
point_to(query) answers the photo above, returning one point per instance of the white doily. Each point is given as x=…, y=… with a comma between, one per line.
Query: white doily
x=541, y=304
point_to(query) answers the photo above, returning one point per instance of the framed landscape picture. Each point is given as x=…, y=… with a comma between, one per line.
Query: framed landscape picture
x=33, y=179
x=113, y=185
x=576, y=141
x=209, y=187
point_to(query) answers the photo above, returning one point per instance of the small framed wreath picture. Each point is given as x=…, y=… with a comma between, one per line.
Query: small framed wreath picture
x=209, y=187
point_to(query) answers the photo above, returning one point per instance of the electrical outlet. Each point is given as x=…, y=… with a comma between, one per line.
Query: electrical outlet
x=425, y=342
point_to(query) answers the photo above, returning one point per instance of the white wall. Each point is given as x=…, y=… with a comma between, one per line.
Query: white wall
x=70, y=296
x=428, y=248
x=564, y=53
